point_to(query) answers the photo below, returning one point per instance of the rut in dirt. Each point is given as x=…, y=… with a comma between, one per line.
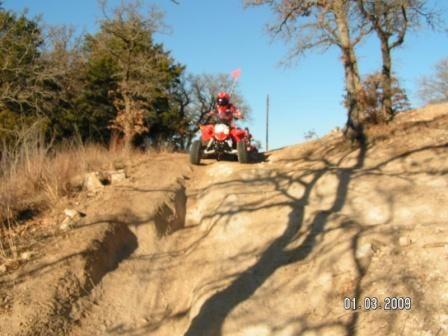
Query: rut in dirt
x=115, y=302
x=127, y=236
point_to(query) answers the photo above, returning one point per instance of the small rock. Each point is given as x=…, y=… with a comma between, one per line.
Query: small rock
x=404, y=241
x=66, y=224
x=3, y=269
x=92, y=183
x=72, y=213
x=26, y=255
x=117, y=176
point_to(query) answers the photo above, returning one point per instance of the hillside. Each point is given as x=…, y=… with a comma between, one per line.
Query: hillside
x=269, y=248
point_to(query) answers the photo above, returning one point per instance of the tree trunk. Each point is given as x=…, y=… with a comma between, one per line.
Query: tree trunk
x=354, y=128
x=387, y=109
x=129, y=130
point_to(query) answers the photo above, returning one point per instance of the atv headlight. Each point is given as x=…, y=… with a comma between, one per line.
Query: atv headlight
x=222, y=128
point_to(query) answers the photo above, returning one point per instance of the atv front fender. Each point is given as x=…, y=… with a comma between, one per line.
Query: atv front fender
x=207, y=132
x=238, y=134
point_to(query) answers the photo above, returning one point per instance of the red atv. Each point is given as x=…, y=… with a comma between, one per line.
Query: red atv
x=220, y=139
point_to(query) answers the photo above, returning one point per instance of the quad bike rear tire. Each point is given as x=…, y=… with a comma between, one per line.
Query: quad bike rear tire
x=196, y=152
x=243, y=155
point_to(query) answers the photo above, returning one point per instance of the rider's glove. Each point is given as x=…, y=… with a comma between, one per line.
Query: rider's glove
x=238, y=115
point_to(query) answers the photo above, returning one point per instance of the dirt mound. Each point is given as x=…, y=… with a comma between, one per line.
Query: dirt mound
x=321, y=239
x=47, y=296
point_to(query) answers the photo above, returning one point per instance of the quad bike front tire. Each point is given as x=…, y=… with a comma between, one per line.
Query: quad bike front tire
x=195, y=152
x=243, y=155
x=254, y=155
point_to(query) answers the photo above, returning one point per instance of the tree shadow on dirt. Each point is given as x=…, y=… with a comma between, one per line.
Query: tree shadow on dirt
x=214, y=311
x=217, y=308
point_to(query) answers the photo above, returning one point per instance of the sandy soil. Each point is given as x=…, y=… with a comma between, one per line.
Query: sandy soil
x=271, y=248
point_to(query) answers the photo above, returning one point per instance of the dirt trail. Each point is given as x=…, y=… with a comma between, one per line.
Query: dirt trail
x=273, y=248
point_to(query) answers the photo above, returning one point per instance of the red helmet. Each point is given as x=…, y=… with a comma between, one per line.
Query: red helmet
x=223, y=99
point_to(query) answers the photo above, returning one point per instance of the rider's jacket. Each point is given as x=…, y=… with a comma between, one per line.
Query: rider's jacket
x=226, y=113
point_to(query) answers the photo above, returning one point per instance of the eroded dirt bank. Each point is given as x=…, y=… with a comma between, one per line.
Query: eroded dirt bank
x=52, y=292
x=273, y=248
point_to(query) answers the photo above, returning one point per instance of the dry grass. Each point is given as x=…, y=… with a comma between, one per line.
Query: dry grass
x=407, y=124
x=35, y=177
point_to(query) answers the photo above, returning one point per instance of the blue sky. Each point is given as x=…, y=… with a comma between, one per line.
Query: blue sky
x=212, y=36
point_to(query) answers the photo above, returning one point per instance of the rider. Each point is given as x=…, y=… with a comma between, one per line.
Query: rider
x=224, y=109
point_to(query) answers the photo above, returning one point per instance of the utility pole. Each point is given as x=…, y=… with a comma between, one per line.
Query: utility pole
x=267, y=123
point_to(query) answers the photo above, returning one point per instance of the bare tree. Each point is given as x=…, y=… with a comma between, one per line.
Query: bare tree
x=62, y=58
x=434, y=88
x=321, y=24
x=204, y=89
x=198, y=98
x=391, y=21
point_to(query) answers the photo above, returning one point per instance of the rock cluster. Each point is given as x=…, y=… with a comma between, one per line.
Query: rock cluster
x=94, y=182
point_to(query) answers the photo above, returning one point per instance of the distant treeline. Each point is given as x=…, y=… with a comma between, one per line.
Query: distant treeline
x=114, y=83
